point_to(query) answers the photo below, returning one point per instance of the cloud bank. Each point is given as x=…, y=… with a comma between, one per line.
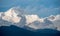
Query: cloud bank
x=15, y=16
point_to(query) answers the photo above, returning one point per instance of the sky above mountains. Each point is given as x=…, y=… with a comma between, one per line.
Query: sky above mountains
x=43, y=8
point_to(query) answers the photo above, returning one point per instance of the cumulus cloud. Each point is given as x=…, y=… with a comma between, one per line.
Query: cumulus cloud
x=15, y=16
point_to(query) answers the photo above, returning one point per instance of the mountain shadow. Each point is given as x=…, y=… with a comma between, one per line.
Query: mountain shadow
x=17, y=31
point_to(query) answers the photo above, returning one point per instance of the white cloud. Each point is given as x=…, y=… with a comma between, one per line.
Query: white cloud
x=15, y=16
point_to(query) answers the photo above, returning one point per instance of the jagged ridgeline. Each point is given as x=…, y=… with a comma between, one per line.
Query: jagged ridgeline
x=15, y=22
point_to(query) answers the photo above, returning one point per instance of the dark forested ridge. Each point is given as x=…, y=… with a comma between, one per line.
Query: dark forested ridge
x=17, y=31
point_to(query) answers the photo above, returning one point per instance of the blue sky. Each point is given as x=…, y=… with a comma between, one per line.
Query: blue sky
x=43, y=8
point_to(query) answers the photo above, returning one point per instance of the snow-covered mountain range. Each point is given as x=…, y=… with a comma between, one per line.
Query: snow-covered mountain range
x=16, y=16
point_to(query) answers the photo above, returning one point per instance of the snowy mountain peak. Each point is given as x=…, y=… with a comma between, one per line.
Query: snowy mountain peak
x=11, y=15
x=16, y=16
